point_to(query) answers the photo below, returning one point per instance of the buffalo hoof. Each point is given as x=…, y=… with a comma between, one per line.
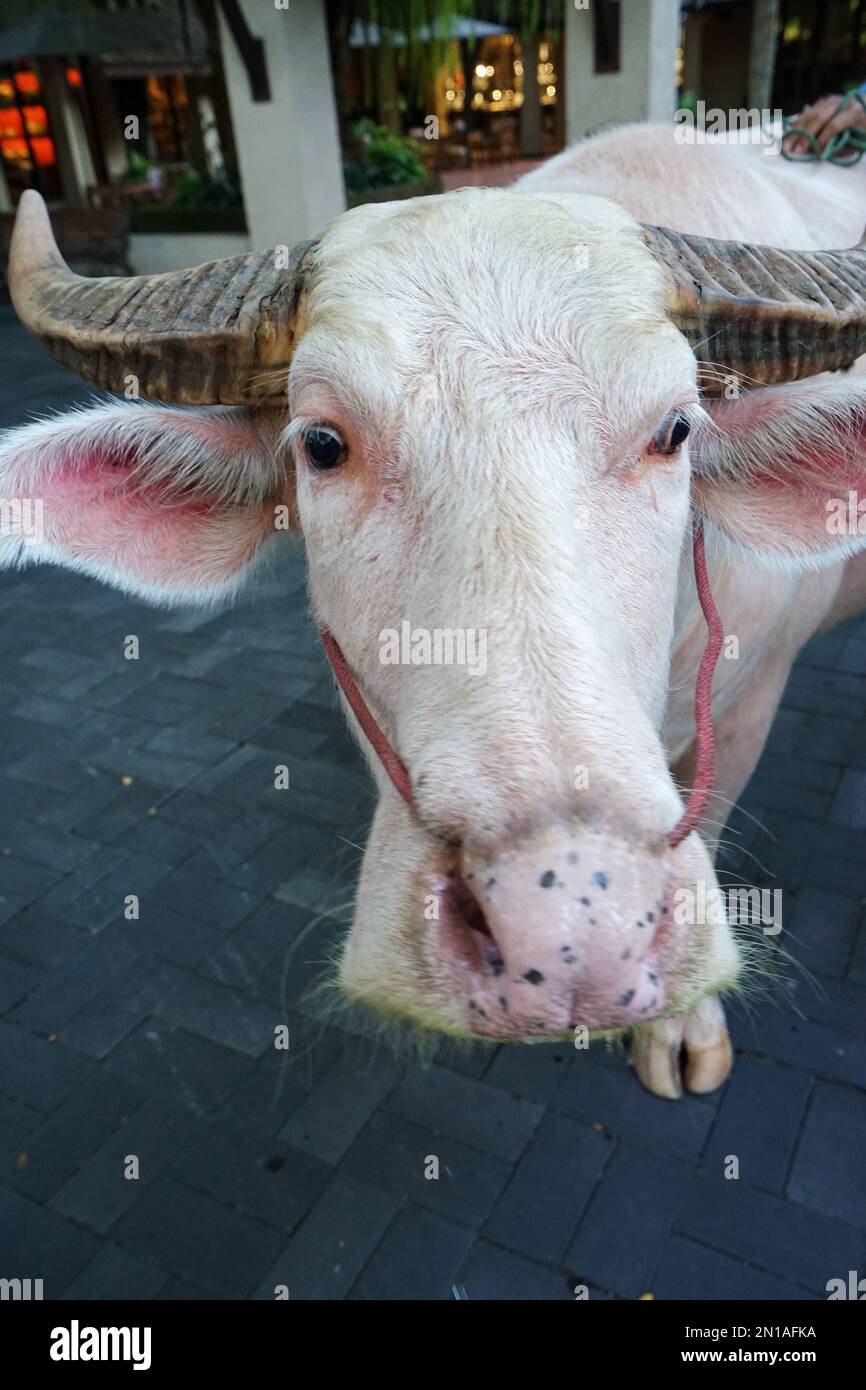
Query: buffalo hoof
x=694, y=1052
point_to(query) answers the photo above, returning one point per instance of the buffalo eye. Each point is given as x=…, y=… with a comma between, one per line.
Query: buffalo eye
x=673, y=431
x=325, y=447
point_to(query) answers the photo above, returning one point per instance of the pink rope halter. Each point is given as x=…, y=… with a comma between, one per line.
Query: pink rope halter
x=705, y=766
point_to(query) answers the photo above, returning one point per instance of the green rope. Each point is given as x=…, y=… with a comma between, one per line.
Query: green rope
x=848, y=147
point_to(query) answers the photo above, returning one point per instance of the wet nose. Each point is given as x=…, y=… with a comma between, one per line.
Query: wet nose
x=569, y=930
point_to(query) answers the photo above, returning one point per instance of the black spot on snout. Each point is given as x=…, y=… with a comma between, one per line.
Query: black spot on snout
x=627, y=997
x=533, y=977
x=547, y=880
x=600, y=879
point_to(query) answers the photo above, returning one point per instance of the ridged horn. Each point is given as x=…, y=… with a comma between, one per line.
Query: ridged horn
x=215, y=334
x=761, y=314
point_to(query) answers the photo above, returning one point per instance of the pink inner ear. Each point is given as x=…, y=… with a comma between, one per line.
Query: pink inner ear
x=152, y=532
x=789, y=509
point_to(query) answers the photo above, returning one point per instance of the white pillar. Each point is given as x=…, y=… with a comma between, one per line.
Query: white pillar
x=77, y=172
x=643, y=89
x=762, y=52
x=288, y=147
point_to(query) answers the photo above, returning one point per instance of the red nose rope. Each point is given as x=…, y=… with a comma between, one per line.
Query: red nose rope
x=705, y=766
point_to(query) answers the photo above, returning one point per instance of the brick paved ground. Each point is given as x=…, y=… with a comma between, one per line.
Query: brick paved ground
x=154, y=1038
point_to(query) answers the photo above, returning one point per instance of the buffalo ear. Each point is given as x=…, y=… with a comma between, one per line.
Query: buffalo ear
x=782, y=471
x=170, y=504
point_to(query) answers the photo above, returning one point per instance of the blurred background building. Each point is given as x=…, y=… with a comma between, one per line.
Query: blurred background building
x=166, y=132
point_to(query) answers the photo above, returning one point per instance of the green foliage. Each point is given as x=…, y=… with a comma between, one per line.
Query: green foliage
x=213, y=191
x=138, y=166
x=380, y=158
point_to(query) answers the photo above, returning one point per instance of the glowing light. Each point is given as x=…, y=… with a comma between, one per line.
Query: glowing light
x=497, y=95
x=518, y=69
x=481, y=70
x=488, y=70
x=551, y=91
x=73, y=77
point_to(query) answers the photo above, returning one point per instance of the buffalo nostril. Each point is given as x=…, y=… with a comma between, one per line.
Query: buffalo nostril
x=467, y=906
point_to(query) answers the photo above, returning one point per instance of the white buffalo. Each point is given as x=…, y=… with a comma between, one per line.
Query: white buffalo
x=498, y=418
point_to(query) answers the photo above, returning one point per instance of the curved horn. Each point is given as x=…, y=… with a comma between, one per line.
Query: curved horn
x=214, y=334
x=762, y=314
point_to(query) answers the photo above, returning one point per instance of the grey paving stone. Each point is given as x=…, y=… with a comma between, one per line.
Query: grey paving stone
x=849, y=803
x=153, y=835
x=784, y=1237
x=74, y=885
x=40, y=1072
x=26, y=841
x=206, y=900
x=197, y=1073
x=222, y=853
x=22, y=882
x=529, y=1072
x=117, y=1010
x=322, y=890
x=275, y=1086
x=841, y=1004
x=325, y=1256
x=38, y=937
x=181, y=1291
x=116, y=1274
x=58, y=999
x=628, y=1221
x=857, y=966
x=829, y=1173
x=174, y=936
x=468, y=1057
x=759, y=1122
x=105, y=901
x=328, y=1120
x=198, y=1239
x=54, y=1150
x=551, y=1186
x=418, y=1258
x=275, y=955
x=396, y=1156
x=253, y=1173
x=467, y=1110
x=490, y=1273
x=17, y=1120
x=41, y=1244
x=816, y=1047
x=223, y=1015
x=274, y=861
x=612, y=1097
x=98, y=1194
x=822, y=930
x=830, y=871
x=690, y=1271
x=16, y=981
